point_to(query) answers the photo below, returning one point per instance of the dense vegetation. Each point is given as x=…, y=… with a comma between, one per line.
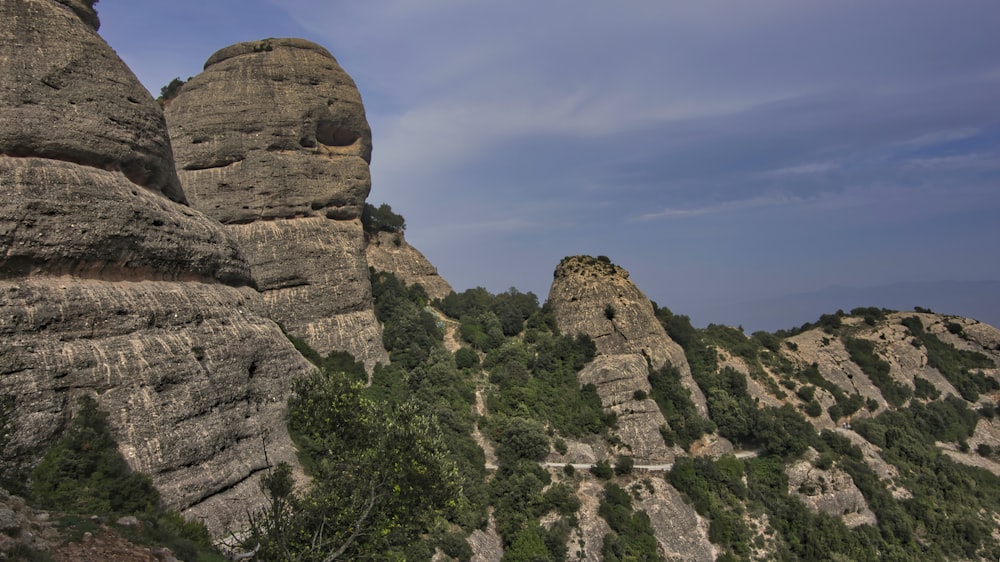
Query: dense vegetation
x=955, y=364
x=84, y=474
x=684, y=423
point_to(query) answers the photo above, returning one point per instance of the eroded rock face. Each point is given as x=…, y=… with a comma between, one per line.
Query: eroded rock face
x=110, y=287
x=595, y=297
x=67, y=96
x=388, y=251
x=272, y=129
x=272, y=140
x=830, y=491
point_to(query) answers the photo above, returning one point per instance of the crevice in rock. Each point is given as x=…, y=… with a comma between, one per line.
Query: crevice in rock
x=217, y=163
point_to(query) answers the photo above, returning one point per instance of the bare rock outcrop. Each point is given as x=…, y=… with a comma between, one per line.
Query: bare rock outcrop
x=389, y=251
x=67, y=96
x=111, y=287
x=830, y=491
x=595, y=297
x=272, y=141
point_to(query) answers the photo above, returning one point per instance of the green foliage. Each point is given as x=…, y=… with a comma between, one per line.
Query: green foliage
x=381, y=219
x=955, y=364
x=538, y=379
x=465, y=358
x=171, y=90
x=925, y=389
x=529, y=546
x=806, y=393
x=83, y=472
x=946, y=511
x=631, y=536
x=609, y=312
x=482, y=313
x=381, y=476
x=602, y=470
x=871, y=314
x=685, y=423
x=813, y=409
x=829, y=323
x=518, y=503
x=409, y=332
x=863, y=353
x=520, y=438
x=439, y=389
x=562, y=499
x=623, y=465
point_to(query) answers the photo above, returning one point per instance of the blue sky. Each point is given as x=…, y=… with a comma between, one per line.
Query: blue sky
x=724, y=152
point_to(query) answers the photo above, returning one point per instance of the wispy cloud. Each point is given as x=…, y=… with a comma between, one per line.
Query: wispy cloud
x=803, y=169
x=719, y=208
x=977, y=161
x=940, y=137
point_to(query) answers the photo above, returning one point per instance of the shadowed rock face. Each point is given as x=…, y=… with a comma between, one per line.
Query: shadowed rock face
x=66, y=95
x=111, y=287
x=272, y=140
x=595, y=297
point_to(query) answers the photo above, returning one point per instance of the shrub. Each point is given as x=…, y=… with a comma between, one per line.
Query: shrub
x=624, y=465
x=813, y=409
x=466, y=358
x=602, y=470
x=84, y=472
x=381, y=219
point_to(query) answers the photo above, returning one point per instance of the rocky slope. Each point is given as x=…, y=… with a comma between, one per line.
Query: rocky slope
x=389, y=251
x=111, y=286
x=595, y=297
x=272, y=141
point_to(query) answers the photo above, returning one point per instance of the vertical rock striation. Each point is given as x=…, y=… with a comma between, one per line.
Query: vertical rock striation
x=111, y=286
x=272, y=141
x=595, y=297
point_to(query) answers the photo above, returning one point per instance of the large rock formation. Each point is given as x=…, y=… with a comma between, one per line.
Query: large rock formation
x=389, y=251
x=271, y=140
x=111, y=287
x=595, y=297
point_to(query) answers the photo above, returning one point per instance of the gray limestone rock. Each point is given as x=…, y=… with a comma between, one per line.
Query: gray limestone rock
x=594, y=297
x=67, y=96
x=272, y=129
x=830, y=491
x=111, y=287
x=272, y=140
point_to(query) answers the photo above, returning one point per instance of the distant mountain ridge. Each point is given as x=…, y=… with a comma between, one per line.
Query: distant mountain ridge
x=972, y=299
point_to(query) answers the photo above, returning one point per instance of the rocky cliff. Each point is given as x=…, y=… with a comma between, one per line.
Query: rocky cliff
x=272, y=141
x=389, y=251
x=595, y=297
x=111, y=286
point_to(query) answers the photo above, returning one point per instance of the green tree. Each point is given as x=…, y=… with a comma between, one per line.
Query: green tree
x=381, y=476
x=85, y=473
x=171, y=90
x=381, y=219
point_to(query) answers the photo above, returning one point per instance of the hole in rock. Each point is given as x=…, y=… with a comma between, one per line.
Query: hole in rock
x=331, y=134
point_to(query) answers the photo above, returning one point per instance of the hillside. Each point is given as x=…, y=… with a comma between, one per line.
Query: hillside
x=205, y=337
